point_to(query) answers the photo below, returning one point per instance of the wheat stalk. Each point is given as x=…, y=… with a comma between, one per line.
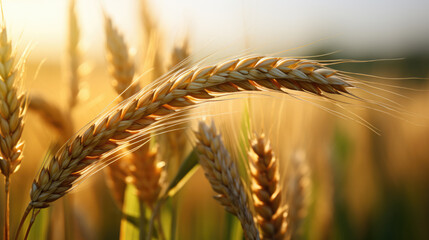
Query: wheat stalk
x=224, y=178
x=12, y=110
x=171, y=95
x=266, y=189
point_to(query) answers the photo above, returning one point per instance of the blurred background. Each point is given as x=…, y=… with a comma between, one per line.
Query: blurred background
x=367, y=184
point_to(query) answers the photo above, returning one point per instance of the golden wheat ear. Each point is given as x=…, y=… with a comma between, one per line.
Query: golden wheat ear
x=224, y=178
x=12, y=108
x=135, y=117
x=266, y=190
x=12, y=111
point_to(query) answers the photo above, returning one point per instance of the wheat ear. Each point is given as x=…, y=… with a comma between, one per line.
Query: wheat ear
x=298, y=192
x=171, y=95
x=147, y=175
x=12, y=109
x=121, y=66
x=266, y=189
x=224, y=178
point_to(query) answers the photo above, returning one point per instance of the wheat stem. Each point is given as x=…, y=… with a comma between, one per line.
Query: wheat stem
x=7, y=209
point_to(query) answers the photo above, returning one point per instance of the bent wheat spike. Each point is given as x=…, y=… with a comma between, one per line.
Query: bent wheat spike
x=170, y=95
x=224, y=178
x=266, y=190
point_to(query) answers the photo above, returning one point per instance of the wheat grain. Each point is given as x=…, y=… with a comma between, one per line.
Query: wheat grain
x=173, y=94
x=224, y=178
x=266, y=189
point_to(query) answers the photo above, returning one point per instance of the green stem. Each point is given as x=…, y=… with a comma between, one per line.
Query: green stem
x=143, y=220
x=155, y=213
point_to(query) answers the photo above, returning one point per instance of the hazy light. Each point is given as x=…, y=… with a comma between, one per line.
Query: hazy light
x=384, y=26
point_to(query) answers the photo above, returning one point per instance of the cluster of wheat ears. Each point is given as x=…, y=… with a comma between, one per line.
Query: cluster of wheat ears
x=266, y=209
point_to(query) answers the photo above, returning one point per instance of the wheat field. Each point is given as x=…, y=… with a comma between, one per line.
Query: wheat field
x=160, y=135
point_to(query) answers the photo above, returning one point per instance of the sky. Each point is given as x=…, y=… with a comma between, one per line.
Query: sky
x=385, y=28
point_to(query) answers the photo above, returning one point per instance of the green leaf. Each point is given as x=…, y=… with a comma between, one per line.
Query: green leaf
x=186, y=170
x=131, y=210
